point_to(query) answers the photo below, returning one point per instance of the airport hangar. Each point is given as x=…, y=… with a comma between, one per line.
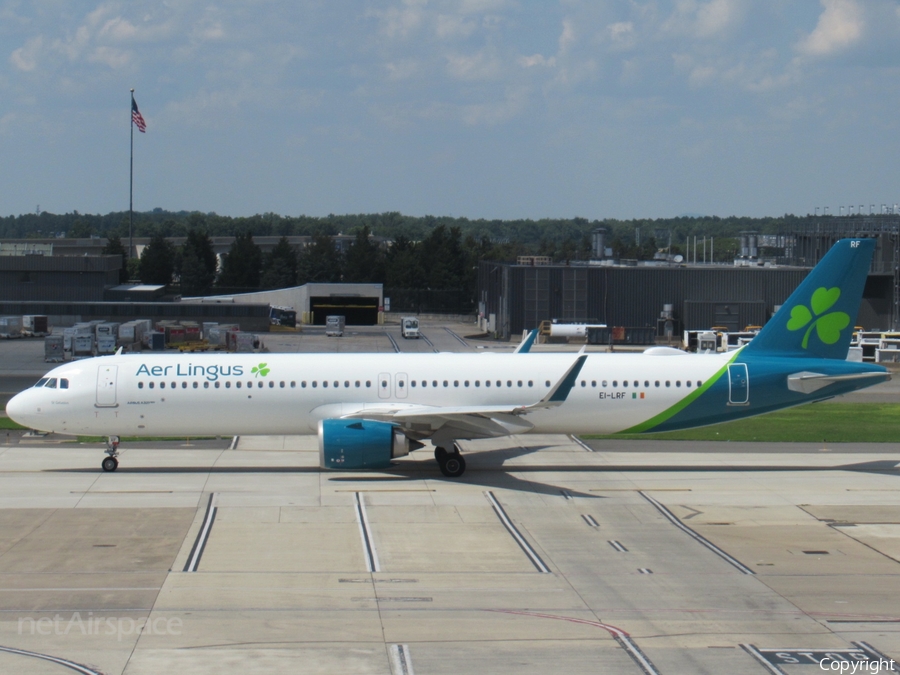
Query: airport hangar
x=72, y=288
x=513, y=298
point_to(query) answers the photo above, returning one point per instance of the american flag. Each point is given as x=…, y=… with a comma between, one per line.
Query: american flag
x=137, y=118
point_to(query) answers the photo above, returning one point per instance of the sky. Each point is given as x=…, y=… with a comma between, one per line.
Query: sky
x=495, y=109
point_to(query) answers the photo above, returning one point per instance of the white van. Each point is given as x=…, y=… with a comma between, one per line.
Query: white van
x=409, y=327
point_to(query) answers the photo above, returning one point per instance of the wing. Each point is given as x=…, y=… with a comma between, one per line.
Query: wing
x=454, y=422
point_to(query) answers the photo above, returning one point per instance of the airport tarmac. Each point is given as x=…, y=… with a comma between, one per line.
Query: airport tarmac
x=550, y=555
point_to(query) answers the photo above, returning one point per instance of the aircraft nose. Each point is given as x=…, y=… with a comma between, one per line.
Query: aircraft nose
x=15, y=409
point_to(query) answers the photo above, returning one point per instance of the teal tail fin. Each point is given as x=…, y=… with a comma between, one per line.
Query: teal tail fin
x=817, y=320
x=525, y=345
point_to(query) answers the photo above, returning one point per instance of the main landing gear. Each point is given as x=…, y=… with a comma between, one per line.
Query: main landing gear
x=452, y=463
x=112, y=449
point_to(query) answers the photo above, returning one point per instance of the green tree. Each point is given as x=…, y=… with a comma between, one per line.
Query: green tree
x=280, y=266
x=198, y=264
x=320, y=262
x=243, y=265
x=81, y=229
x=114, y=246
x=403, y=267
x=157, y=261
x=363, y=262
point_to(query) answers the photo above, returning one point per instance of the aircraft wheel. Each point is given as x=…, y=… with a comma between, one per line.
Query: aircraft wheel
x=440, y=454
x=453, y=465
x=110, y=464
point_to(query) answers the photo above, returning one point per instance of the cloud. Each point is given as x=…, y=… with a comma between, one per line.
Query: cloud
x=25, y=58
x=401, y=21
x=704, y=19
x=840, y=25
x=477, y=66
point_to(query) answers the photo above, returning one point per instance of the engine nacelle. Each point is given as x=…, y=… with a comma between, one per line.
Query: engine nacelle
x=359, y=444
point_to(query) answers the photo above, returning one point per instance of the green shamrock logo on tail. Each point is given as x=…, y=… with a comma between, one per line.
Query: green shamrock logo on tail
x=262, y=369
x=828, y=326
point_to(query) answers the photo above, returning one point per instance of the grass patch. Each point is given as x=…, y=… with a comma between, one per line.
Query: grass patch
x=816, y=423
x=133, y=439
x=8, y=425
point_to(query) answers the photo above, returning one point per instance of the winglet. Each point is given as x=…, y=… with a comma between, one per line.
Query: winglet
x=525, y=345
x=560, y=391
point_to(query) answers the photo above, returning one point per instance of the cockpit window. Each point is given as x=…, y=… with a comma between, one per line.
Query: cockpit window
x=51, y=383
x=41, y=382
x=63, y=383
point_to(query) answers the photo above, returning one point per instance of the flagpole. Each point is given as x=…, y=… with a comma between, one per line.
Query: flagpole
x=131, y=183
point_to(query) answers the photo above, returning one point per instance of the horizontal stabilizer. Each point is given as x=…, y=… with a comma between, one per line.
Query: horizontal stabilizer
x=808, y=383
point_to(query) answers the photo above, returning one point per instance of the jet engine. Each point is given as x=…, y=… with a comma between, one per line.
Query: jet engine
x=359, y=444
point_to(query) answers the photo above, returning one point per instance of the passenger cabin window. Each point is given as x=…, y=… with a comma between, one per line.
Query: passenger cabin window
x=140, y=385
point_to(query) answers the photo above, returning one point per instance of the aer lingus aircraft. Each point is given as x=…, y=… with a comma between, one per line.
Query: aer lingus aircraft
x=369, y=409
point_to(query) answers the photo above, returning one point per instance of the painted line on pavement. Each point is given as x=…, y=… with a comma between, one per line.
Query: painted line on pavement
x=365, y=532
x=672, y=518
x=193, y=560
x=520, y=540
x=430, y=343
x=619, y=635
x=77, y=667
x=401, y=660
x=578, y=441
x=393, y=342
x=458, y=338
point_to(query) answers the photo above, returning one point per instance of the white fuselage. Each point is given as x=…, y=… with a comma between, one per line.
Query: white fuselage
x=237, y=394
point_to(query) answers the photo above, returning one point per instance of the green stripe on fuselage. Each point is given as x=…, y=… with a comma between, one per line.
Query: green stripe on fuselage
x=669, y=413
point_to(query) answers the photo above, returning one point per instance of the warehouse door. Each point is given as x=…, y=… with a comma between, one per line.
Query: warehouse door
x=357, y=310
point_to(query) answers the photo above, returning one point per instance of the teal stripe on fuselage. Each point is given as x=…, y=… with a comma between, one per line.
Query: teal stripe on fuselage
x=768, y=391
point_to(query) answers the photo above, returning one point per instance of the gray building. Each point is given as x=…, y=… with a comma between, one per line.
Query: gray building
x=59, y=278
x=513, y=298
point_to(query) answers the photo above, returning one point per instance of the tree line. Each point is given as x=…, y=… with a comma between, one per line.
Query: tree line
x=561, y=238
x=443, y=264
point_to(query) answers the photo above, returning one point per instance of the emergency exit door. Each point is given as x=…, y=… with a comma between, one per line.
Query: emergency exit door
x=738, y=384
x=106, y=386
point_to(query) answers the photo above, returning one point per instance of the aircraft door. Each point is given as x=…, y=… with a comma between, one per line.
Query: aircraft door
x=401, y=382
x=384, y=385
x=106, y=386
x=738, y=384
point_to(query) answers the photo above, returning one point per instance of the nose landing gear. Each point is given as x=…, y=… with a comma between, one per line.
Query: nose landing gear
x=112, y=449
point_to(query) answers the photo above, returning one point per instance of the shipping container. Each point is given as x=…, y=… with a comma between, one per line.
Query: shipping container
x=156, y=341
x=53, y=349
x=175, y=334
x=83, y=346
x=334, y=325
x=106, y=344
x=244, y=342
x=191, y=331
x=108, y=329
x=35, y=325
x=10, y=326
